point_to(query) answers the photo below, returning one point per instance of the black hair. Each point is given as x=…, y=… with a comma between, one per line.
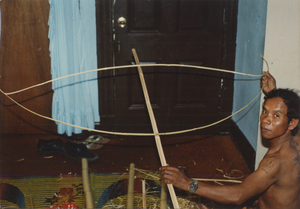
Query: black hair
x=291, y=99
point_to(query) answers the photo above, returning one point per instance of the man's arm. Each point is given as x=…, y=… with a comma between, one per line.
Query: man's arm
x=256, y=183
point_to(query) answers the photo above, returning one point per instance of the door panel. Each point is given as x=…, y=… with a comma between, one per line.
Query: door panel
x=170, y=31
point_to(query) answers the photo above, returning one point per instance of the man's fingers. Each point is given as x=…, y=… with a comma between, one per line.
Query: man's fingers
x=171, y=168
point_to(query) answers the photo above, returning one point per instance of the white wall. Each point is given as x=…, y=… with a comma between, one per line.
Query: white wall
x=282, y=49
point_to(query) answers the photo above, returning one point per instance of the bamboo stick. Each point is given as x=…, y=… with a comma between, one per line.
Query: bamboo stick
x=154, y=127
x=144, y=193
x=31, y=202
x=163, y=195
x=86, y=184
x=130, y=193
x=219, y=180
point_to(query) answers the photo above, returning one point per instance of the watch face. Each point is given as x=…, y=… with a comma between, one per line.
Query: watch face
x=193, y=186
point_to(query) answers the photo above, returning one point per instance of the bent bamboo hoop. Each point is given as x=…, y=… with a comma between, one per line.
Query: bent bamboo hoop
x=130, y=134
x=129, y=66
x=86, y=184
x=154, y=127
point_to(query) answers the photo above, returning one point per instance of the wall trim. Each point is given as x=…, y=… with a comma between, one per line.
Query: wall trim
x=242, y=144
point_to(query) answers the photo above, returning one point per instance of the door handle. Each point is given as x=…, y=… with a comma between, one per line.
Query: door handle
x=122, y=22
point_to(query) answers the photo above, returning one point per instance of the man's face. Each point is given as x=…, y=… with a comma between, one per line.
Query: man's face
x=273, y=119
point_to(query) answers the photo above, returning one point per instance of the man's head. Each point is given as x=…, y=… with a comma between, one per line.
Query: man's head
x=292, y=102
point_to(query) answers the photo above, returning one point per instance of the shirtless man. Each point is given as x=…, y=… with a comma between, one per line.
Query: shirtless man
x=277, y=179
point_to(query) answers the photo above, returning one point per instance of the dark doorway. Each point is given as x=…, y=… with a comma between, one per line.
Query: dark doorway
x=194, y=32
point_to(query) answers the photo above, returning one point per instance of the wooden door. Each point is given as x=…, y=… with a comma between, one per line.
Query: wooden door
x=194, y=32
x=25, y=61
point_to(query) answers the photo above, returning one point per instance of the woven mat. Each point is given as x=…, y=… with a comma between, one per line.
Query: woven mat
x=41, y=192
x=47, y=191
x=108, y=190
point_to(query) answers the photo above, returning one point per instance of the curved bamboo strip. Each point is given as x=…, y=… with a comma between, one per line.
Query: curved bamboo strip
x=131, y=134
x=130, y=66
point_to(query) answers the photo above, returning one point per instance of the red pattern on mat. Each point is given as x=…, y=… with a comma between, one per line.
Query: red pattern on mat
x=65, y=196
x=64, y=206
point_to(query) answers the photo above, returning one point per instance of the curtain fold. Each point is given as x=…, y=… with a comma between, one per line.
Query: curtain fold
x=72, y=34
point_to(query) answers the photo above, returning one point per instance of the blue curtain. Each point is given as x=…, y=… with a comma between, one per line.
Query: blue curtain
x=72, y=34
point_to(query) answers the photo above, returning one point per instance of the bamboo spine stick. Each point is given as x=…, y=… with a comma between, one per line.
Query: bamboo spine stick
x=154, y=127
x=86, y=184
x=163, y=196
x=144, y=193
x=130, y=191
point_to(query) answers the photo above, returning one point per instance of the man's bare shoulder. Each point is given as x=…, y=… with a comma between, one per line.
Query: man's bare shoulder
x=282, y=166
x=270, y=164
x=282, y=160
x=297, y=138
x=288, y=154
x=295, y=146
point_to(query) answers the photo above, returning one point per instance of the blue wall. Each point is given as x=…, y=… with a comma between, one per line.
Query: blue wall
x=250, y=46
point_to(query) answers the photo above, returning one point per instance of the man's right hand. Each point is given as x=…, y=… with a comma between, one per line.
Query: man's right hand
x=172, y=175
x=267, y=82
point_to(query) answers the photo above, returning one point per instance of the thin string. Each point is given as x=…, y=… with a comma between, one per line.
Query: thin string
x=131, y=66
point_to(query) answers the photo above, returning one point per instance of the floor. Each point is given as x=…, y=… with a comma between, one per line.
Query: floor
x=201, y=156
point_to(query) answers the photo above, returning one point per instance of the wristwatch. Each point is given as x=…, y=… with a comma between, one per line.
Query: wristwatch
x=193, y=186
